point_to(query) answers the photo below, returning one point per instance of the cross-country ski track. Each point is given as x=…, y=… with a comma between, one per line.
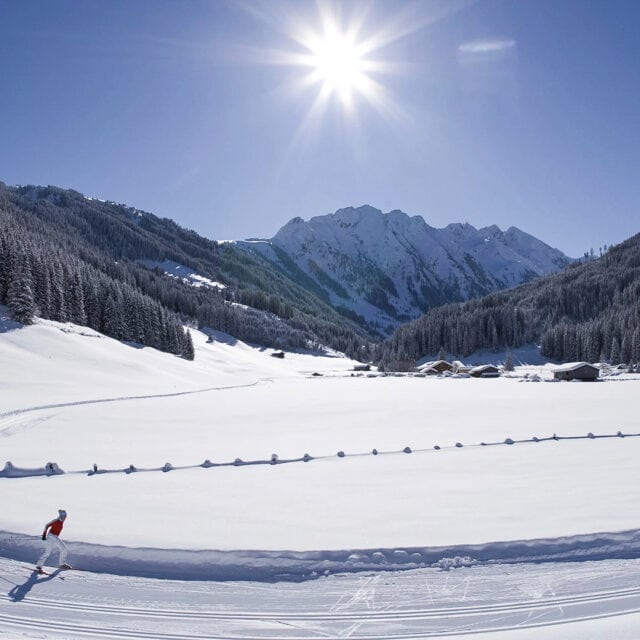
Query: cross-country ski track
x=500, y=600
x=79, y=403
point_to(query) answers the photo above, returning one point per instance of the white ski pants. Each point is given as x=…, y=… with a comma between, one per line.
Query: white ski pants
x=53, y=542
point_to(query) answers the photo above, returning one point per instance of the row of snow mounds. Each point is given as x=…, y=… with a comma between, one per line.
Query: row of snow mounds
x=52, y=468
x=272, y=566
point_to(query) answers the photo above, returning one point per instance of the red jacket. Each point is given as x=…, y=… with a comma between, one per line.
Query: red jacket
x=55, y=527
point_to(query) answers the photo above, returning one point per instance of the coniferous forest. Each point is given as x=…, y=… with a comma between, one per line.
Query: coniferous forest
x=69, y=258
x=590, y=312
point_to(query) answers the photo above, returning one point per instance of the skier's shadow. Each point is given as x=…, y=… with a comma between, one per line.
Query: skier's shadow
x=19, y=592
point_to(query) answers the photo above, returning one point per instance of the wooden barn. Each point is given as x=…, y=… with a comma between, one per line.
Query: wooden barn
x=576, y=371
x=485, y=371
x=439, y=365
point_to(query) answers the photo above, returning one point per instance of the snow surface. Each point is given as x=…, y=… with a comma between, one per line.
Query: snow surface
x=73, y=397
x=182, y=273
x=520, y=602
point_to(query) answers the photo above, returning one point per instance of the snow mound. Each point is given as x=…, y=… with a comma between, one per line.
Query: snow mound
x=446, y=564
x=272, y=566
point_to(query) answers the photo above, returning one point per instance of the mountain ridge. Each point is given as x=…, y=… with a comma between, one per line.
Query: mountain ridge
x=389, y=268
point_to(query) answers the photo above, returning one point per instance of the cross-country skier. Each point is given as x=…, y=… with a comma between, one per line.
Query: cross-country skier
x=54, y=528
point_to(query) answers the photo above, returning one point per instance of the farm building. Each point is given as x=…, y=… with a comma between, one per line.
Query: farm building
x=485, y=371
x=576, y=371
x=429, y=371
x=439, y=365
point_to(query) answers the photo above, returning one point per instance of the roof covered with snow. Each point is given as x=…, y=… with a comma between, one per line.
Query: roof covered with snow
x=574, y=366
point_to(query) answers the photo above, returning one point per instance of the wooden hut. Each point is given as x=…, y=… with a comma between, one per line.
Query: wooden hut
x=576, y=371
x=485, y=371
x=439, y=365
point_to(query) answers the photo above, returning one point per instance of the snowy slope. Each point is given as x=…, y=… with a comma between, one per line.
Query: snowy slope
x=74, y=397
x=77, y=399
x=390, y=267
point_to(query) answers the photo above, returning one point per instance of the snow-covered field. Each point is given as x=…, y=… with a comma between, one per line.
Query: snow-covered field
x=75, y=398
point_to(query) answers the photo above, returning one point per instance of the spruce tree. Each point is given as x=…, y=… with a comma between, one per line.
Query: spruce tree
x=20, y=298
x=508, y=362
x=188, y=352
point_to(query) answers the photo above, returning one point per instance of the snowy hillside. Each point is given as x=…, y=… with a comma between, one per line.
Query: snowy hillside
x=389, y=267
x=76, y=398
x=187, y=487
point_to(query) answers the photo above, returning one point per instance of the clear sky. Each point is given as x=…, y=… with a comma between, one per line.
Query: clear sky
x=232, y=117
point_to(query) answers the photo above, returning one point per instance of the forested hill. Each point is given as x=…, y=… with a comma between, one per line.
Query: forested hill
x=590, y=311
x=70, y=258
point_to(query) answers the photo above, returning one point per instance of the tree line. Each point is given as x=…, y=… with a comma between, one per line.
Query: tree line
x=69, y=258
x=588, y=312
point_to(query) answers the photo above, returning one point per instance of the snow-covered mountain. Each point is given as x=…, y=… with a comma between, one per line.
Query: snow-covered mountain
x=392, y=267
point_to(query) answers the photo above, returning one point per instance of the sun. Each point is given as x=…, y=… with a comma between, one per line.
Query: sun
x=345, y=57
x=337, y=57
x=338, y=63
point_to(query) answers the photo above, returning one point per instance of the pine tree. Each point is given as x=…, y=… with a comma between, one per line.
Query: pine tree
x=188, y=352
x=625, y=349
x=508, y=362
x=20, y=297
x=77, y=311
x=614, y=354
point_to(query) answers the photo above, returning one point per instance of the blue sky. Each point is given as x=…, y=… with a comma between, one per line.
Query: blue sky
x=508, y=112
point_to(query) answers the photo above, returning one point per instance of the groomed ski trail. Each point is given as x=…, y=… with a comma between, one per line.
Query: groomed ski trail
x=423, y=603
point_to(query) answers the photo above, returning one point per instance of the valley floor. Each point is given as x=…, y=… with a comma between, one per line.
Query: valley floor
x=187, y=529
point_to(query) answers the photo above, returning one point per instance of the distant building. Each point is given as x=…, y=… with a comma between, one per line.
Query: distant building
x=362, y=367
x=576, y=371
x=429, y=371
x=439, y=365
x=460, y=367
x=485, y=371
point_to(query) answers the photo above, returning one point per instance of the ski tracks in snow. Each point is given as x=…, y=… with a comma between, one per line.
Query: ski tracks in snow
x=17, y=412
x=414, y=604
